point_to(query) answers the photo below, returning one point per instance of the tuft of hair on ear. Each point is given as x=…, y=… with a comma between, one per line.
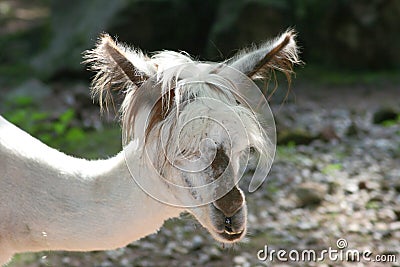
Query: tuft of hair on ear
x=261, y=62
x=117, y=67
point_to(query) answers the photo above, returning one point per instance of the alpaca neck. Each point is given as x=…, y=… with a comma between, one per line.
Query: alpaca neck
x=57, y=202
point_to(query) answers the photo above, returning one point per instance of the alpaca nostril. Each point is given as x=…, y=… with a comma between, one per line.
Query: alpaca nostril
x=228, y=225
x=228, y=221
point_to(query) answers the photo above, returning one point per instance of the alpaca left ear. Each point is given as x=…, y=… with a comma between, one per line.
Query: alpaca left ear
x=279, y=54
x=117, y=67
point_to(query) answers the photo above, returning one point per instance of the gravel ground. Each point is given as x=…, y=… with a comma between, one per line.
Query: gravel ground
x=342, y=185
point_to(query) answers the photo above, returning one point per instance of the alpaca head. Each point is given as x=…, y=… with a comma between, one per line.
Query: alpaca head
x=194, y=124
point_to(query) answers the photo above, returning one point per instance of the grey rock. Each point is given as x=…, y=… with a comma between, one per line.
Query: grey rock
x=310, y=193
x=351, y=187
x=241, y=261
x=387, y=215
x=197, y=242
x=394, y=226
x=215, y=253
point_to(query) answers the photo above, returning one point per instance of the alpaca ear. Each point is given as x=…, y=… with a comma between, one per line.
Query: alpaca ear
x=279, y=54
x=117, y=68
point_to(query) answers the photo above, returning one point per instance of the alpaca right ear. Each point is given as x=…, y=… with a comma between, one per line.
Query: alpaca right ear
x=117, y=68
x=279, y=54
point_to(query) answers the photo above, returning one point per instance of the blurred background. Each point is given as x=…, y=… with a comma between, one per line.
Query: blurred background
x=337, y=169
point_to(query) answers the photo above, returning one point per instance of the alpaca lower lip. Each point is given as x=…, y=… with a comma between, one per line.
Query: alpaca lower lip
x=231, y=237
x=230, y=232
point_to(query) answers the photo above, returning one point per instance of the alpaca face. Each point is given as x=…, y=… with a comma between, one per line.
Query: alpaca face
x=198, y=151
x=210, y=169
x=225, y=217
x=194, y=123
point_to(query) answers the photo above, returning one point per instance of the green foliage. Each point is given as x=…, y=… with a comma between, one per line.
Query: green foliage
x=286, y=152
x=60, y=126
x=373, y=204
x=386, y=116
x=93, y=144
x=272, y=189
x=62, y=132
x=47, y=129
x=295, y=137
x=23, y=101
x=390, y=123
x=332, y=168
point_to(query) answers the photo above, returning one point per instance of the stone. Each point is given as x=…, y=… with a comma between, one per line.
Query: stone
x=310, y=193
x=307, y=225
x=203, y=258
x=352, y=130
x=215, y=253
x=394, y=226
x=353, y=228
x=351, y=187
x=197, y=242
x=387, y=215
x=368, y=185
x=125, y=262
x=328, y=133
x=241, y=261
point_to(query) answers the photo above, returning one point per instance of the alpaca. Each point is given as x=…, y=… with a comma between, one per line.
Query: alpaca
x=172, y=150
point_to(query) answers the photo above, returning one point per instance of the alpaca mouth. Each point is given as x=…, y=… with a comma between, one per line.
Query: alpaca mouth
x=230, y=236
x=228, y=232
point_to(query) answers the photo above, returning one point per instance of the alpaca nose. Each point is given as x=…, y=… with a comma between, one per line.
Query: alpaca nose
x=230, y=203
x=228, y=224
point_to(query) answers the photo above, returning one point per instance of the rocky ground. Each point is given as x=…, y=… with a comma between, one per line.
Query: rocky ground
x=340, y=182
